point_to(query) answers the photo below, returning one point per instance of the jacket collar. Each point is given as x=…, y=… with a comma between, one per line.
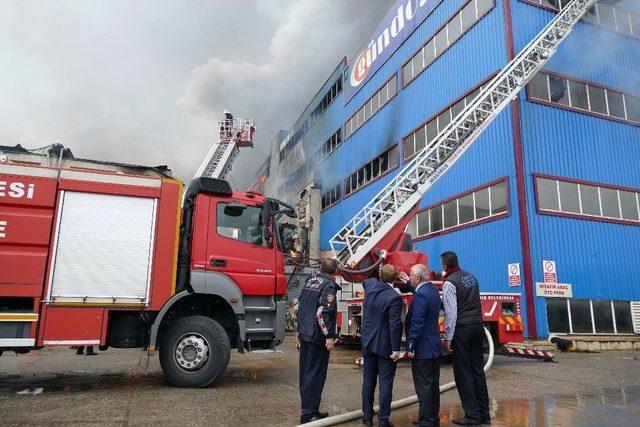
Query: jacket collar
x=450, y=271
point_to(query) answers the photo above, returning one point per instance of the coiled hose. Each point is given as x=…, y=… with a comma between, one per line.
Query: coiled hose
x=349, y=416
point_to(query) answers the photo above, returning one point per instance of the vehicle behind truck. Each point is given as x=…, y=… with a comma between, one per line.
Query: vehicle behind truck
x=112, y=259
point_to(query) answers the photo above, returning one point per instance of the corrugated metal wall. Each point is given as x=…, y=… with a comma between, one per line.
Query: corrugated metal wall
x=599, y=259
x=485, y=249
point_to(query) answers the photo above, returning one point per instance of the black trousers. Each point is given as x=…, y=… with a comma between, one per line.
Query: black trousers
x=426, y=380
x=314, y=361
x=468, y=361
x=375, y=367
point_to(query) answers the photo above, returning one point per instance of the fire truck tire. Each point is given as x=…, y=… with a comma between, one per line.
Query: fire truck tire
x=195, y=352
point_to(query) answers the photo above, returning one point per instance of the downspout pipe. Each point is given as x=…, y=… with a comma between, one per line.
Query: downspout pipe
x=354, y=415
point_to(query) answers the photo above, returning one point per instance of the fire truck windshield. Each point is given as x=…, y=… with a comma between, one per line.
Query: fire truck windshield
x=241, y=222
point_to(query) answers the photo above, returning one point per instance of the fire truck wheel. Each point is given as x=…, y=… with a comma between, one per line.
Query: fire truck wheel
x=194, y=352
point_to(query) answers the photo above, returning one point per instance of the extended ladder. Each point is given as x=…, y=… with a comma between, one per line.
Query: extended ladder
x=360, y=235
x=234, y=134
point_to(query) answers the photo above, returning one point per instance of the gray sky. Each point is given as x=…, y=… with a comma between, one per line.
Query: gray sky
x=145, y=81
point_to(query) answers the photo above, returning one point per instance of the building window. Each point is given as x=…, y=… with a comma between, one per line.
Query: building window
x=332, y=196
x=292, y=140
x=372, y=170
x=328, y=98
x=587, y=200
x=614, y=18
x=584, y=97
x=456, y=26
x=371, y=107
x=467, y=209
x=584, y=316
x=422, y=137
x=329, y=146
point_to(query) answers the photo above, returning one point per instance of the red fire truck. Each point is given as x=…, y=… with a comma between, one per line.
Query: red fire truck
x=90, y=257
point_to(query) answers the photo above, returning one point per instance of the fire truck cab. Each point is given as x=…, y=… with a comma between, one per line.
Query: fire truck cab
x=99, y=258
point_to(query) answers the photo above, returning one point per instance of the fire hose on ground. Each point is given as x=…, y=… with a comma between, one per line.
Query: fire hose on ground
x=354, y=415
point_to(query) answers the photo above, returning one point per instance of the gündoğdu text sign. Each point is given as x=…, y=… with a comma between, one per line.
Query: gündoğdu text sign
x=403, y=18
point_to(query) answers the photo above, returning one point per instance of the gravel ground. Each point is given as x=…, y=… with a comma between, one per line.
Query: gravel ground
x=58, y=387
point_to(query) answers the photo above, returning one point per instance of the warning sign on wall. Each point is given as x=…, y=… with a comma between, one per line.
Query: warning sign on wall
x=514, y=274
x=549, y=271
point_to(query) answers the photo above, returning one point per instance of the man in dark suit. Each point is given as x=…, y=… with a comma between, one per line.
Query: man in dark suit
x=424, y=346
x=381, y=333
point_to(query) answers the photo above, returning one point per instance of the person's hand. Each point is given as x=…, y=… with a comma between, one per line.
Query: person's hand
x=447, y=346
x=297, y=342
x=403, y=276
x=395, y=356
x=330, y=343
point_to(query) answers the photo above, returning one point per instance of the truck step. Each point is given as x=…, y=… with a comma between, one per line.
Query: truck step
x=265, y=351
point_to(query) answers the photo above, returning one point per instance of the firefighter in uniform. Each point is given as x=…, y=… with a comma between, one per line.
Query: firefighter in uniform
x=316, y=337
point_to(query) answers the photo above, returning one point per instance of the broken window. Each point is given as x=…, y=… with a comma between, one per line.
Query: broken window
x=558, y=90
x=435, y=219
x=578, y=95
x=598, y=100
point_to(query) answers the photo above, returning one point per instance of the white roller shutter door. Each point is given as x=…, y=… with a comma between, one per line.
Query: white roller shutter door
x=103, y=248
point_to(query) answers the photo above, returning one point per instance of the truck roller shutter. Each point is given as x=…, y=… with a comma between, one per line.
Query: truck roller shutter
x=103, y=248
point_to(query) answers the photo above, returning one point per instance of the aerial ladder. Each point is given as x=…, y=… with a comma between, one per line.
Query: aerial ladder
x=367, y=235
x=234, y=134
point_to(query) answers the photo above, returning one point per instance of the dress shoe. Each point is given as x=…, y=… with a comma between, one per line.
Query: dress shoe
x=321, y=414
x=466, y=422
x=367, y=422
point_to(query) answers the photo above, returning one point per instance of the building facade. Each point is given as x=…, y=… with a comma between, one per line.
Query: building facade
x=554, y=178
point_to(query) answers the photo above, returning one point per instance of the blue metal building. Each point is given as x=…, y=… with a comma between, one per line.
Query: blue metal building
x=555, y=177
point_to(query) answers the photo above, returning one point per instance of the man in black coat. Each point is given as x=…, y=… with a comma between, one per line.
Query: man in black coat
x=464, y=338
x=381, y=332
